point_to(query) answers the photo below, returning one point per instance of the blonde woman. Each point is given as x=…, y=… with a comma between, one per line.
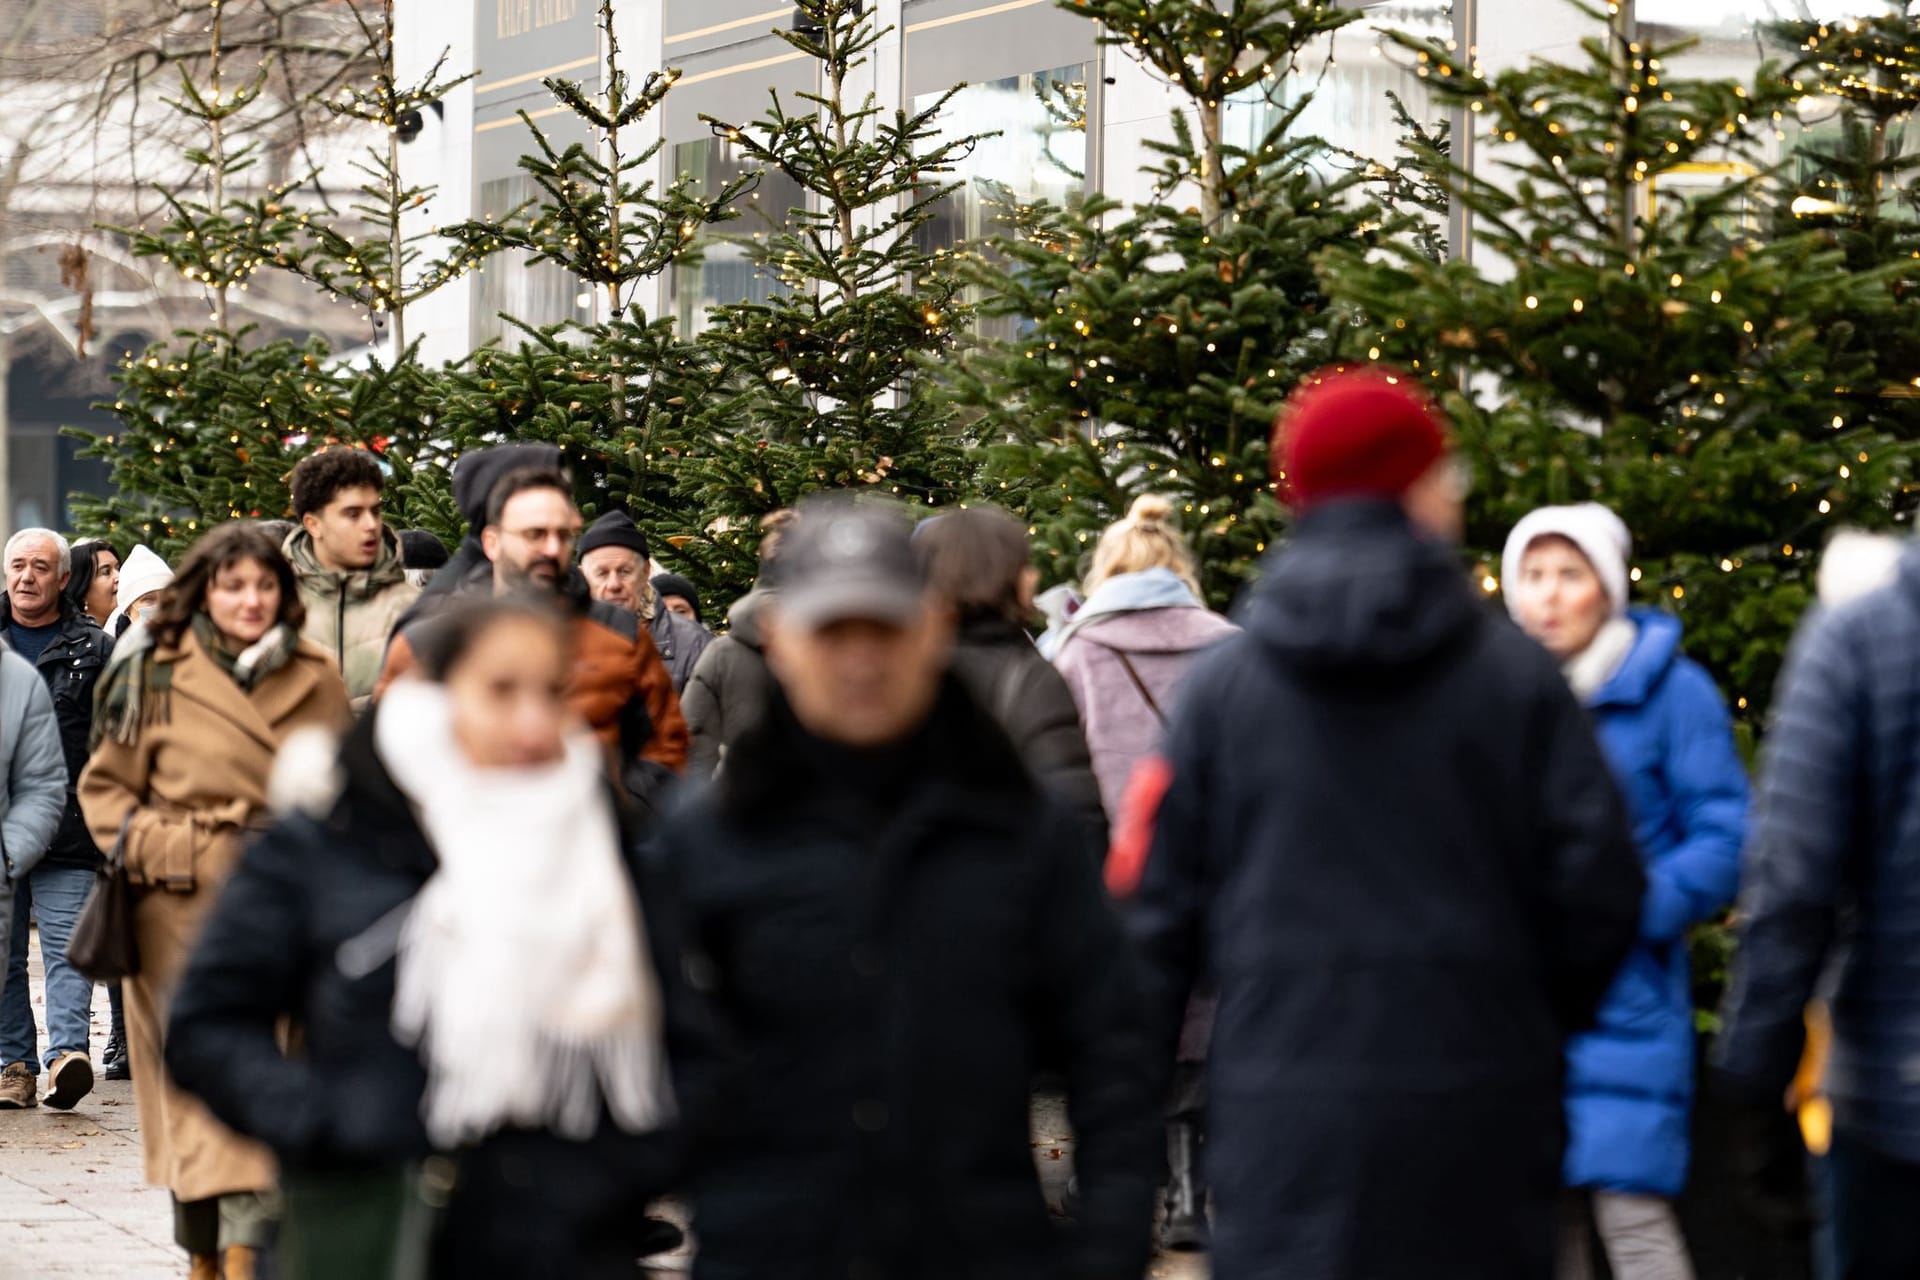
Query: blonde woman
x=1127, y=647
x=1124, y=655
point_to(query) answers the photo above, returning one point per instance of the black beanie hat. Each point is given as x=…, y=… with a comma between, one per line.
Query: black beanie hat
x=475, y=474
x=672, y=584
x=421, y=549
x=614, y=529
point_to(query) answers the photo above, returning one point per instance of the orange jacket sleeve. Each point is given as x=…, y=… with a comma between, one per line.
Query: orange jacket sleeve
x=400, y=662
x=670, y=741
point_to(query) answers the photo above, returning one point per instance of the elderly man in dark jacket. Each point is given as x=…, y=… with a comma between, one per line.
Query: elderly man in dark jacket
x=70, y=651
x=1831, y=891
x=1384, y=827
x=889, y=924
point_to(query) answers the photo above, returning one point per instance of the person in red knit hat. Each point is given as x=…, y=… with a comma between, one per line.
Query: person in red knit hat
x=1369, y=433
x=1382, y=824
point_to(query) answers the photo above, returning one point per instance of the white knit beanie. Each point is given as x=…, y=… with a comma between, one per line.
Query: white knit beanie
x=1601, y=536
x=143, y=572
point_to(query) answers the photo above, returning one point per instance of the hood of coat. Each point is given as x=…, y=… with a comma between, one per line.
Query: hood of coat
x=359, y=584
x=72, y=622
x=743, y=620
x=992, y=631
x=1124, y=593
x=1656, y=644
x=1356, y=590
x=1185, y=628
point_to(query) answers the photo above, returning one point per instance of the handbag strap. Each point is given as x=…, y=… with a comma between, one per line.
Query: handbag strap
x=117, y=856
x=1126, y=664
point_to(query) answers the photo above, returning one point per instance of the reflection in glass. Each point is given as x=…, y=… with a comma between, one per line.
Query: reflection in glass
x=1040, y=153
x=724, y=274
x=539, y=294
x=1350, y=75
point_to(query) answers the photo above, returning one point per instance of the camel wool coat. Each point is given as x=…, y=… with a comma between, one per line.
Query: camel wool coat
x=194, y=781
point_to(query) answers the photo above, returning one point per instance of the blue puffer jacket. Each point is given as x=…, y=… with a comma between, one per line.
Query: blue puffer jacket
x=1664, y=728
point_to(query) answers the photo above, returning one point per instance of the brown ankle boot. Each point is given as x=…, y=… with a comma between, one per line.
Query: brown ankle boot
x=241, y=1262
x=205, y=1266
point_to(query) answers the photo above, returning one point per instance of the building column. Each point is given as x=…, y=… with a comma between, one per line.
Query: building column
x=441, y=158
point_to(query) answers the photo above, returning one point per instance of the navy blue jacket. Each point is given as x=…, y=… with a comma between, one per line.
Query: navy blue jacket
x=1664, y=728
x=1832, y=874
x=1389, y=836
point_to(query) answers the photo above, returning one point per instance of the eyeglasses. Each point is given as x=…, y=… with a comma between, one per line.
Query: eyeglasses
x=541, y=537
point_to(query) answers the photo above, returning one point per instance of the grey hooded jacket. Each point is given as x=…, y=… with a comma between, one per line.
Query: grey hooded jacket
x=33, y=769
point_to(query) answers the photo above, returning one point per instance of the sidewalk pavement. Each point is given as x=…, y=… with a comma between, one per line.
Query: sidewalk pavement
x=73, y=1198
x=73, y=1201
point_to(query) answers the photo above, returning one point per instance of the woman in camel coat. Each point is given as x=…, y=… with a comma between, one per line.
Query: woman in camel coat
x=192, y=710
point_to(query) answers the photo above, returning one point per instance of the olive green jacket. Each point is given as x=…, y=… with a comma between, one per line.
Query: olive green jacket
x=351, y=615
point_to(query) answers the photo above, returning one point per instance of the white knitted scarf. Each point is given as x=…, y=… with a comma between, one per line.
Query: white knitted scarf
x=524, y=977
x=1589, y=670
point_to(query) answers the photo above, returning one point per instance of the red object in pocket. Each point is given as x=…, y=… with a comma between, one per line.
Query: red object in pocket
x=1133, y=833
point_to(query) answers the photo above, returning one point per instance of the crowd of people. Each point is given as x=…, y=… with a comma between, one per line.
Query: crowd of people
x=484, y=899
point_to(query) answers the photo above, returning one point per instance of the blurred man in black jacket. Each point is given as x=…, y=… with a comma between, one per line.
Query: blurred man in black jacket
x=888, y=920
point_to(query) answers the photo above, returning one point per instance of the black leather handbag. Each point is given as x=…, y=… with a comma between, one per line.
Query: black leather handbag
x=102, y=945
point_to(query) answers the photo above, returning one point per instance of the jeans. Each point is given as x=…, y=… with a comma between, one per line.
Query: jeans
x=1875, y=1230
x=53, y=895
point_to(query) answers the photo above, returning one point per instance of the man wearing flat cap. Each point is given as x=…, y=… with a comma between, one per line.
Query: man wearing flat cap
x=888, y=926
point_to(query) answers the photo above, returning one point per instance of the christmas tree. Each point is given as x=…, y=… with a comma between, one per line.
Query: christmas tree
x=1157, y=341
x=212, y=421
x=1852, y=180
x=1626, y=338
x=604, y=391
x=823, y=382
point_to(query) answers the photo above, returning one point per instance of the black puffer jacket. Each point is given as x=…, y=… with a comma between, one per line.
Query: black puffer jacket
x=1387, y=832
x=305, y=930
x=71, y=665
x=881, y=947
x=1007, y=676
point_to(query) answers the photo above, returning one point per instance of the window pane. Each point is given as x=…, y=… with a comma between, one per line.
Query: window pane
x=1351, y=74
x=1040, y=154
x=539, y=295
x=724, y=274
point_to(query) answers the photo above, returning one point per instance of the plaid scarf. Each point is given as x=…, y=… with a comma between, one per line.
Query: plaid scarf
x=137, y=691
x=254, y=663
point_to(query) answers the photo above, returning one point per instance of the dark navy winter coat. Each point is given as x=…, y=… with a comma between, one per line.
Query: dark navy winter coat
x=1387, y=832
x=1665, y=730
x=1831, y=885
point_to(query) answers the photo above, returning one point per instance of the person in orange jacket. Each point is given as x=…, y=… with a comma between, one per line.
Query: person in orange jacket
x=618, y=684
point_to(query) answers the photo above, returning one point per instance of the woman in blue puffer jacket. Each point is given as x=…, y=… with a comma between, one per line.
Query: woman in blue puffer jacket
x=1665, y=730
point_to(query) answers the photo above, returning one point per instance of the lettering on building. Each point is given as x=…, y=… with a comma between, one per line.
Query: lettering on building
x=520, y=17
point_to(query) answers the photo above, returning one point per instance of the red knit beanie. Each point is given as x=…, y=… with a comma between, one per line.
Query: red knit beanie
x=1355, y=433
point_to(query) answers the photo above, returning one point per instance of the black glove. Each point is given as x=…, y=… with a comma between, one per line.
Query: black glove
x=1767, y=1159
